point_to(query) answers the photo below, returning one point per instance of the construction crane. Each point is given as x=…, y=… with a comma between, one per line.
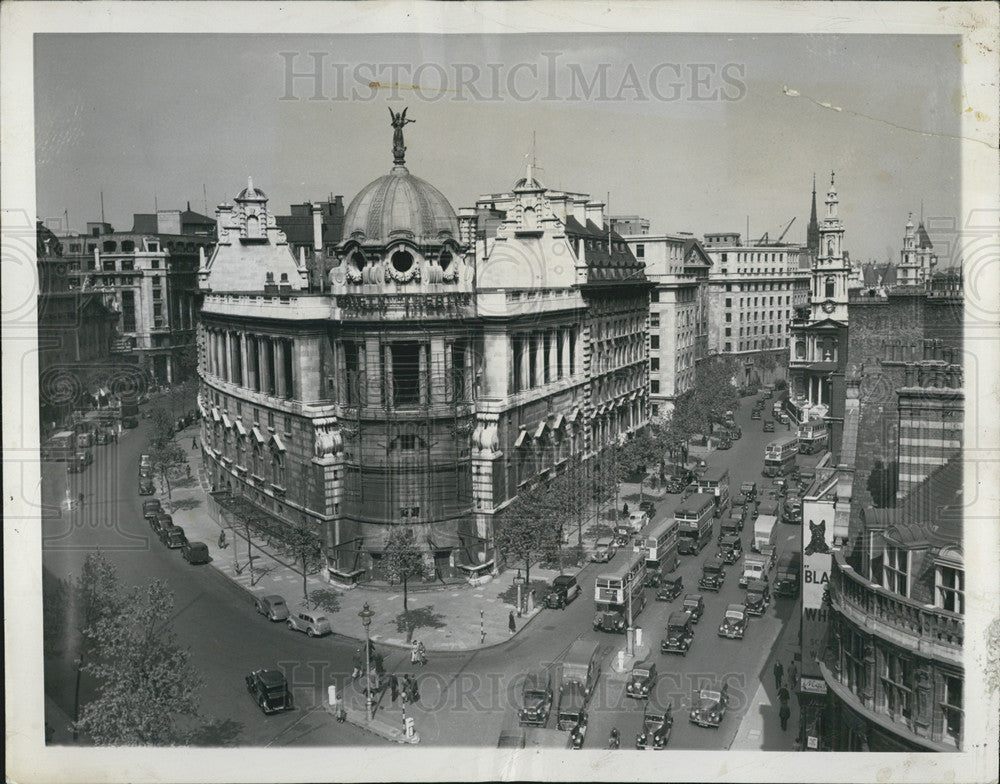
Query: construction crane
x=786, y=229
x=766, y=238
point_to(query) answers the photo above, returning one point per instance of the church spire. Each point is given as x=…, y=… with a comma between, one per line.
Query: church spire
x=812, y=233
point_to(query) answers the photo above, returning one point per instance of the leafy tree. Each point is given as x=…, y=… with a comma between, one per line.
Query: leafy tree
x=641, y=451
x=146, y=681
x=402, y=558
x=519, y=535
x=163, y=426
x=164, y=455
x=307, y=547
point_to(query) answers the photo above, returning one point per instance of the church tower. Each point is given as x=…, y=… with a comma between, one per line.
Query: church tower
x=831, y=269
x=812, y=233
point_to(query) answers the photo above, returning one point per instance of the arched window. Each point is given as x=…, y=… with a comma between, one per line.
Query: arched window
x=402, y=261
x=444, y=261
x=253, y=226
x=358, y=260
x=278, y=468
x=800, y=349
x=829, y=286
x=110, y=246
x=258, y=460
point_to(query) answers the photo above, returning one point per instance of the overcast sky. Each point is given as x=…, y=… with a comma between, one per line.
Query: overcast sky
x=695, y=132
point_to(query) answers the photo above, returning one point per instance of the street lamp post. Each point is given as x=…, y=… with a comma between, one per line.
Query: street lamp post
x=366, y=614
x=518, y=581
x=629, y=632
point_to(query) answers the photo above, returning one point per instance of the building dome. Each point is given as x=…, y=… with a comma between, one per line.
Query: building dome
x=250, y=193
x=399, y=205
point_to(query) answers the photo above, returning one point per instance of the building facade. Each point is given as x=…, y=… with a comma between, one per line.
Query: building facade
x=916, y=260
x=753, y=294
x=678, y=267
x=454, y=360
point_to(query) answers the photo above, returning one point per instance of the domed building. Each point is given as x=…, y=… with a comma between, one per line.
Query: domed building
x=456, y=360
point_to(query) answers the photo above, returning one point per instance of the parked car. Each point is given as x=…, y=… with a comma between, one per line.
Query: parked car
x=196, y=553
x=269, y=689
x=564, y=590
x=670, y=589
x=641, y=680
x=712, y=575
x=679, y=633
x=272, y=606
x=734, y=622
x=649, y=507
x=604, y=550
x=758, y=597
x=756, y=413
x=173, y=537
x=151, y=508
x=637, y=521
x=310, y=622
x=657, y=722
x=724, y=443
x=708, y=705
x=736, y=433
x=161, y=521
x=694, y=605
x=768, y=426
x=730, y=549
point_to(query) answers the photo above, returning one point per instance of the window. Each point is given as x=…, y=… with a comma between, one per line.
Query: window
x=729, y=331
x=654, y=296
x=656, y=410
x=270, y=420
x=405, y=373
x=654, y=363
x=728, y=347
x=829, y=287
x=854, y=672
x=896, y=676
x=407, y=441
x=949, y=584
x=654, y=319
x=288, y=424
x=951, y=707
x=157, y=293
x=156, y=263
x=157, y=310
x=640, y=251
x=895, y=570
x=729, y=302
x=729, y=318
x=519, y=381
x=654, y=341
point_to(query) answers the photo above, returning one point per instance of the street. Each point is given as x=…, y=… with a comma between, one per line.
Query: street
x=466, y=697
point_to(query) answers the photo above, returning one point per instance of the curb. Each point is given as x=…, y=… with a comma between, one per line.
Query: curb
x=374, y=726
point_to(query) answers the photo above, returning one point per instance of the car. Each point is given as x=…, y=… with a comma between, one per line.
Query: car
x=793, y=509
x=755, y=414
x=146, y=486
x=610, y=621
x=196, y=553
x=273, y=606
x=145, y=461
x=739, y=499
x=738, y=516
x=102, y=436
x=708, y=705
x=604, y=550
x=694, y=605
x=767, y=393
x=85, y=455
x=770, y=555
x=536, y=698
x=782, y=417
x=649, y=507
x=579, y=732
x=310, y=622
x=623, y=534
x=564, y=590
x=730, y=549
x=768, y=426
x=641, y=680
x=151, y=508
x=161, y=521
x=173, y=537
x=757, y=598
x=724, y=443
x=657, y=722
x=749, y=489
x=670, y=589
x=75, y=464
x=674, y=485
x=269, y=689
x=637, y=521
x=734, y=622
x=780, y=484
x=736, y=433
x=679, y=633
x=712, y=575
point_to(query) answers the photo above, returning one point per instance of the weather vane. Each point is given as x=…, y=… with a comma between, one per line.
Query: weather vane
x=398, y=148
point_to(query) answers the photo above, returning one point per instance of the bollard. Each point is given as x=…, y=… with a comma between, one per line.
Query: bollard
x=331, y=693
x=621, y=660
x=408, y=724
x=638, y=636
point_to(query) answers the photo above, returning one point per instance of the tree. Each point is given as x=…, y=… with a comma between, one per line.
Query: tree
x=402, y=558
x=307, y=547
x=146, y=681
x=164, y=455
x=163, y=426
x=519, y=534
x=641, y=451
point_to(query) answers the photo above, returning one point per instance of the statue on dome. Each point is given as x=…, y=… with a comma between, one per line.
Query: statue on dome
x=398, y=148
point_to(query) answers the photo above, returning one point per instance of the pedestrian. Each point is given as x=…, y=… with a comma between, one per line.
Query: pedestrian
x=188, y=467
x=394, y=688
x=194, y=444
x=414, y=690
x=405, y=691
x=358, y=666
x=783, y=694
x=222, y=539
x=510, y=622
x=422, y=653
x=778, y=672
x=793, y=675
x=81, y=498
x=414, y=652
x=625, y=509
x=783, y=715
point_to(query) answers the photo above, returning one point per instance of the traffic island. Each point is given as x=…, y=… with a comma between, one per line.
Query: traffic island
x=348, y=710
x=623, y=663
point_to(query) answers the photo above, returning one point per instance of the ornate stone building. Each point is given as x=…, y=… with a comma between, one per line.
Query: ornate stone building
x=453, y=361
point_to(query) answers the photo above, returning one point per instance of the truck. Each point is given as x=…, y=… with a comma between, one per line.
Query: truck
x=788, y=574
x=130, y=411
x=763, y=531
x=694, y=523
x=754, y=568
x=61, y=446
x=715, y=482
x=581, y=665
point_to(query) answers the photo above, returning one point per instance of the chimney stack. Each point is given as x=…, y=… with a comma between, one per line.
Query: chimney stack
x=317, y=211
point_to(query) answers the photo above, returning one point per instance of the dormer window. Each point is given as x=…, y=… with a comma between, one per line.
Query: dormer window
x=896, y=570
x=949, y=581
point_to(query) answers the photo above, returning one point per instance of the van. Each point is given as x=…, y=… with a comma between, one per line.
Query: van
x=582, y=664
x=787, y=574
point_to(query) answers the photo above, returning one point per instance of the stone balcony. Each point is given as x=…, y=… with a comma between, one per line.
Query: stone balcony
x=924, y=629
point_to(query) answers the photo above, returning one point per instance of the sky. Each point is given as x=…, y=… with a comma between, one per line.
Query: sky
x=698, y=133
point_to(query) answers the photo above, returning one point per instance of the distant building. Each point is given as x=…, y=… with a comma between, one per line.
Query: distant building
x=753, y=293
x=916, y=261
x=313, y=230
x=633, y=225
x=678, y=267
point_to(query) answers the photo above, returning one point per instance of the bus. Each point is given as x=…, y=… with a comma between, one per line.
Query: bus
x=694, y=523
x=62, y=446
x=660, y=547
x=715, y=482
x=812, y=436
x=612, y=589
x=779, y=456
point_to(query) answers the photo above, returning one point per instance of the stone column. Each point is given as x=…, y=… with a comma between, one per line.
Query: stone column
x=564, y=337
x=244, y=361
x=443, y=387
x=253, y=363
x=373, y=373
x=279, y=367
x=553, y=355
x=525, y=360
x=539, y=348
x=229, y=356
x=423, y=375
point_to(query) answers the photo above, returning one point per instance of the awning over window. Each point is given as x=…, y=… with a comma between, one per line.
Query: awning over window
x=540, y=430
x=240, y=429
x=257, y=434
x=226, y=421
x=277, y=442
x=215, y=414
x=520, y=438
x=557, y=421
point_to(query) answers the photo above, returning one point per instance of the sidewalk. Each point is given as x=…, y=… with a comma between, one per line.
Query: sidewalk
x=445, y=618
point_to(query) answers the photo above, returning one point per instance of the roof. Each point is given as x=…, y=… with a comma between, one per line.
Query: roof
x=144, y=223
x=923, y=241
x=604, y=265
x=931, y=514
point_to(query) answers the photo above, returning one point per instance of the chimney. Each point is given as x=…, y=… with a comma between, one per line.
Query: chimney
x=317, y=211
x=594, y=211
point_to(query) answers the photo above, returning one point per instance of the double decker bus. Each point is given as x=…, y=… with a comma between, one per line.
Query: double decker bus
x=625, y=578
x=715, y=482
x=813, y=436
x=61, y=446
x=694, y=523
x=779, y=456
x=660, y=547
